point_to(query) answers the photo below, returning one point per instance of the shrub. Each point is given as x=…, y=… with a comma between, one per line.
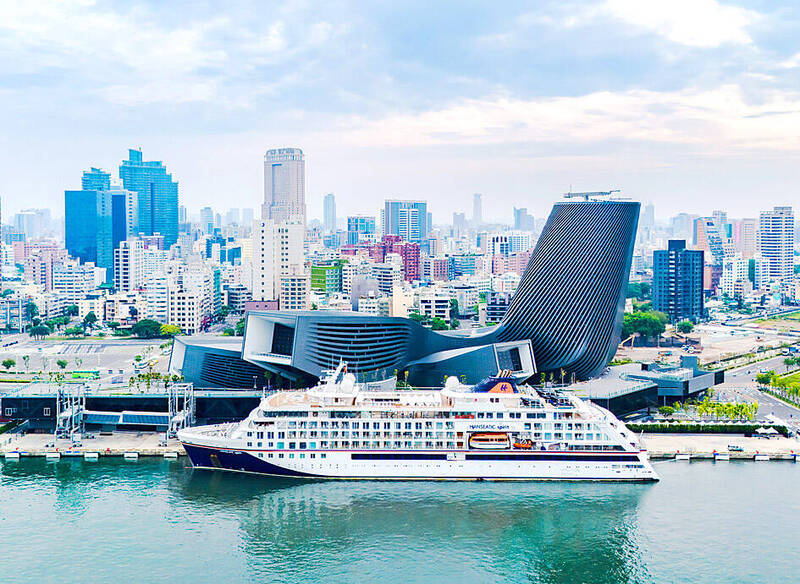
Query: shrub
x=681, y=428
x=666, y=410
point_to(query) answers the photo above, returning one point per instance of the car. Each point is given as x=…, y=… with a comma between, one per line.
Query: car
x=735, y=448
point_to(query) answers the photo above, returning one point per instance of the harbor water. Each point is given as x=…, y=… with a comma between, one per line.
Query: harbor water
x=160, y=521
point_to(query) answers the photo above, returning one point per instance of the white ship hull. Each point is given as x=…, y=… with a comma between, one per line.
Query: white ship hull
x=416, y=465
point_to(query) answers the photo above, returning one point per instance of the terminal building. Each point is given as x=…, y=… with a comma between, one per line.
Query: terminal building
x=565, y=315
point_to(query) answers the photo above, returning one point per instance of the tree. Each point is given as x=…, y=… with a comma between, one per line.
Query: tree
x=765, y=378
x=240, y=327
x=438, y=324
x=27, y=360
x=224, y=311
x=113, y=325
x=71, y=310
x=31, y=310
x=73, y=331
x=666, y=410
x=62, y=363
x=646, y=324
x=685, y=326
x=146, y=328
x=7, y=292
x=417, y=317
x=170, y=330
x=9, y=363
x=90, y=319
x=228, y=332
x=133, y=311
x=39, y=331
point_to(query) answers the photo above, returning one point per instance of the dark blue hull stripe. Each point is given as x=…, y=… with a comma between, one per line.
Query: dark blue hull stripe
x=237, y=460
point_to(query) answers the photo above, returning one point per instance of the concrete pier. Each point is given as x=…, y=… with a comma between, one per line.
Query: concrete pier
x=704, y=446
x=116, y=444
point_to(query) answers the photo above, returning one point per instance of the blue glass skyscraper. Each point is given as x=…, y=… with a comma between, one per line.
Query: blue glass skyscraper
x=87, y=227
x=158, y=195
x=96, y=179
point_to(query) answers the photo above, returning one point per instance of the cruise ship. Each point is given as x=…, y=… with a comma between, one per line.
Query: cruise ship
x=495, y=430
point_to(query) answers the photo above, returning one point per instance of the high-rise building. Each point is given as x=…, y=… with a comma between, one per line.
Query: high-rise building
x=88, y=227
x=124, y=214
x=360, y=228
x=233, y=217
x=648, y=217
x=744, y=237
x=33, y=223
x=329, y=223
x=678, y=281
x=284, y=185
x=776, y=245
x=128, y=262
x=96, y=179
x=408, y=219
x=157, y=195
x=477, y=209
x=207, y=219
x=277, y=252
x=735, y=280
x=247, y=217
x=523, y=221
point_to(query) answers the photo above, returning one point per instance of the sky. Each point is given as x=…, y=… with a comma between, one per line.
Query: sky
x=693, y=105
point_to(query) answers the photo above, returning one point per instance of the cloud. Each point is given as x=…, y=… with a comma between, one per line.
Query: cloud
x=716, y=120
x=694, y=23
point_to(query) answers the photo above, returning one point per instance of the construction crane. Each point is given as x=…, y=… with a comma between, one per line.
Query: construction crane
x=592, y=194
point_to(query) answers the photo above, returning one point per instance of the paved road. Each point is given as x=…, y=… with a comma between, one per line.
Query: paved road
x=740, y=385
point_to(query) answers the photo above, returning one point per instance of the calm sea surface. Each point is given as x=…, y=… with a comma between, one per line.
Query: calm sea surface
x=158, y=521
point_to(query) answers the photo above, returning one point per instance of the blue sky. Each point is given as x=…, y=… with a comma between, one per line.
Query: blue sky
x=691, y=104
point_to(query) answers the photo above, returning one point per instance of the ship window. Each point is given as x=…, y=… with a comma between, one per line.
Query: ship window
x=249, y=434
x=291, y=445
x=527, y=426
x=480, y=414
x=249, y=443
x=499, y=416
x=312, y=445
x=548, y=436
x=323, y=455
x=489, y=415
x=258, y=444
x=270, y=435
x=269, y=455
x=259, y=435
x=313, y=455
x=302, y=446
x=280, y=445
x=590, y=436
x=280, y=455
x=302, y=456
x=291, y=455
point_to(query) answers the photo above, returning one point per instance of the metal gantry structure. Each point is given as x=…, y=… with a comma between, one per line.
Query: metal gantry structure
x=180, y=418
x=70, y=407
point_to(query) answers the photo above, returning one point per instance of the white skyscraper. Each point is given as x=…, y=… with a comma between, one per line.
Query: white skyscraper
x=284, y=185
x=776, y=245
x=329, y=222
x=277, y=252
x=128, y=265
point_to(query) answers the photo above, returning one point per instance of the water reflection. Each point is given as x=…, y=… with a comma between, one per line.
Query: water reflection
x=343, y=531
x=280, y=530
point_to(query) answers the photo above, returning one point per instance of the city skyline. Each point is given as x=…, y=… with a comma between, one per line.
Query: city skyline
x=695, y=102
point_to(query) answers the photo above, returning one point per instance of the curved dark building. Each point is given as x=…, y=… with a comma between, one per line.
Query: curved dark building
x=566, y=314
x=571, y=298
